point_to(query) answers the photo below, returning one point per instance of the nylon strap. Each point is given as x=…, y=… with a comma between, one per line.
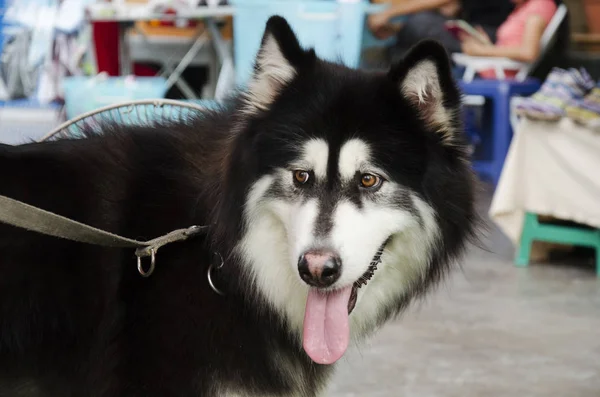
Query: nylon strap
x=25, y=216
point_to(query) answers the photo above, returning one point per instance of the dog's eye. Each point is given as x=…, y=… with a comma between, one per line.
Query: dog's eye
x=369, y=181
x=301, y=177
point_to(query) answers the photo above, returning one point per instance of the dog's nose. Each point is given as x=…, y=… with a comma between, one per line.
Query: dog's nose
x=320, y=268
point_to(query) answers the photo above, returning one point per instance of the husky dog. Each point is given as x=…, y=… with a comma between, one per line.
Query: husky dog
x=332, y=198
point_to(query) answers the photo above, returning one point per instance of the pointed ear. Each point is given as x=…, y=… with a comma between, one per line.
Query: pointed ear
x=425, y=79
x=277, y=63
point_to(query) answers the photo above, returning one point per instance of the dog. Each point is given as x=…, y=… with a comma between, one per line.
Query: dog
x=331, y=198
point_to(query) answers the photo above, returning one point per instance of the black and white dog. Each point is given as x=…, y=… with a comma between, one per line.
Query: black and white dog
x=333, y=196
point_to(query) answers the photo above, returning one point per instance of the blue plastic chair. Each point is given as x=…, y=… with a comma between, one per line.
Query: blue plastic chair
x=333, y=28
x=495, y=139
x=496, y=134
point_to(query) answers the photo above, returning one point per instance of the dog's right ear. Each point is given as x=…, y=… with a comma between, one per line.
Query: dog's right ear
x=277, y=63
x=425, y=79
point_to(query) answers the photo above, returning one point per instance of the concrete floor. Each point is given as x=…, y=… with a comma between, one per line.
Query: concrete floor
x=490, y=330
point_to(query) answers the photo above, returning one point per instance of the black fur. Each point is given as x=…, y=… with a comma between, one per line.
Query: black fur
x=78, y=320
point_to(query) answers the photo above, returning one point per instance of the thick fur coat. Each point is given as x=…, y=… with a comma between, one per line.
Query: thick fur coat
x=78, y=320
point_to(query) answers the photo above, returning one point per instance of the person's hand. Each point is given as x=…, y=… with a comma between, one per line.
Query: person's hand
x=379, y=24
x=450, y=9
x=471, y=46
x=483, y=33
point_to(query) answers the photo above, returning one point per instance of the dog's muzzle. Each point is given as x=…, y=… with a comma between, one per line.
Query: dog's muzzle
x=320, y=268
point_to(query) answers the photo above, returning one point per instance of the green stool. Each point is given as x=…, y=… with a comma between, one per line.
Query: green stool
x=534, y=230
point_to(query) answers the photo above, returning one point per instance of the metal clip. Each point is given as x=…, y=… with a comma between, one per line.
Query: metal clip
x=152, y=263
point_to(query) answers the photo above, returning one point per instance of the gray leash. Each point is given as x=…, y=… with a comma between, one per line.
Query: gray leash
x=25, y=216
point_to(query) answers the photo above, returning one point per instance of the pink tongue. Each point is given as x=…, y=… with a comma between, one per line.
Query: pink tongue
x=326, y=330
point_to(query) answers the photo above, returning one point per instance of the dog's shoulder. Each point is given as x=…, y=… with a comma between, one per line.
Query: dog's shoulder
x=107, y=179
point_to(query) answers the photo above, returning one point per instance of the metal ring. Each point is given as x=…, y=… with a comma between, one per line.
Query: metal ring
x=152, y=264
x=210, y=282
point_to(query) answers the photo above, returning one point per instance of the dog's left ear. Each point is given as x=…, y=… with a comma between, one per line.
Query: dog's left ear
x=277, y=63
x=424, y=77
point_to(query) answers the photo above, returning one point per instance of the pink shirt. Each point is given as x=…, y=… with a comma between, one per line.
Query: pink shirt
x=510, y=33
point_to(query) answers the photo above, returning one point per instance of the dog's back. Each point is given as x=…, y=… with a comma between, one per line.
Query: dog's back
x=61, y=302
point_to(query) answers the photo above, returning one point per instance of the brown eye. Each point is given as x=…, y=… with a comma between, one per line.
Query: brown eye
x=301, y=177
x=369, y=181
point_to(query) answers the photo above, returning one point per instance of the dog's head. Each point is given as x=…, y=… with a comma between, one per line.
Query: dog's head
x=355, y=187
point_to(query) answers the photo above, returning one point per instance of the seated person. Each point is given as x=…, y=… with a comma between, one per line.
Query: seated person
x=518, y=38
x=426, y=19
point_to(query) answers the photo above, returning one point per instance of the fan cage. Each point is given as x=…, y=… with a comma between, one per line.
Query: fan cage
x=140, y=113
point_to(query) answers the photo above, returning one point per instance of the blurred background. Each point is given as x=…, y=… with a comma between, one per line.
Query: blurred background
x=522, y=313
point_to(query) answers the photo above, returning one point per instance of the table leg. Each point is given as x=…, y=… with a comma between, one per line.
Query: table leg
x=181, y=83
x=227, y=71
x=125, y=66
x=187, y=59
x=501, y=130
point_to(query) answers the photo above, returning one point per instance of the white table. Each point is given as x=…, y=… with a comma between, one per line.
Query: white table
x=126, y=14
x=551, y=169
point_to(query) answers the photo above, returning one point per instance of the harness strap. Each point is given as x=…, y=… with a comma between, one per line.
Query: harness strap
x=25, y=216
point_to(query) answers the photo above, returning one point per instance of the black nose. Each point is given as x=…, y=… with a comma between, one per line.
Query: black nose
x=320, y=268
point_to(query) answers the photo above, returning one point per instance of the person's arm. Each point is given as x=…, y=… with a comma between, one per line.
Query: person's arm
x=528, y=51
x=380, y=21
x=411, y=6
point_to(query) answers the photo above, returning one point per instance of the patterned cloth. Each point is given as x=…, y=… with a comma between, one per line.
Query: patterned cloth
x=587, y=111
x=562, y=88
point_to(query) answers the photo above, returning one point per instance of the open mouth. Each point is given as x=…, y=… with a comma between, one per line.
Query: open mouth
x=326, y=319
x=364, y=279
